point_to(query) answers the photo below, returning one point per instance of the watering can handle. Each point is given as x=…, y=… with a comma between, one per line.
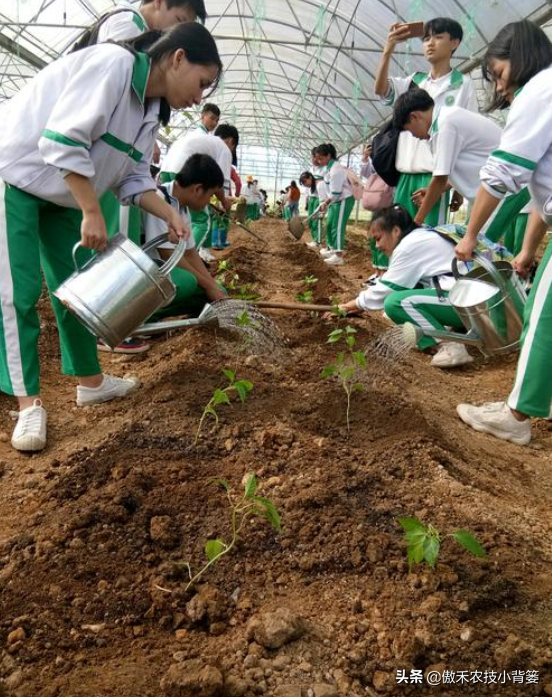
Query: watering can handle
x=175, y=257
x=489, y=267
x=74, y=253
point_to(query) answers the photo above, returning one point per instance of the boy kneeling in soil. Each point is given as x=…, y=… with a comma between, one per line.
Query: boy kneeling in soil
x=198, y=180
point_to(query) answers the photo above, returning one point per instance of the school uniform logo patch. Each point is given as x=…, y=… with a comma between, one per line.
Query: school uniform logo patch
x=449, y=101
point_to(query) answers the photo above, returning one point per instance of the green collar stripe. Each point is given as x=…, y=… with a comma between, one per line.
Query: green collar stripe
x=165, y=177
x=515, y=159
x=112, y=140
x=201, y=127
x=139, y=21
x=64, y=140
x=456, y=79
x=140, y=74
x=393, y=286
x=418, y=78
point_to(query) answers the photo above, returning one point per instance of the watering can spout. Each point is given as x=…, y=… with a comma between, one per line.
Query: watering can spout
x=413, y=334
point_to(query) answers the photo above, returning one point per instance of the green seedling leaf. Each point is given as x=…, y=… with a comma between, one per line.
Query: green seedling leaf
x=213, y=548
x=250, y=486
x=431, y=551
x=328, y=371
x=358, y=387
x=346, y=373
x=310, y=280
x=350, y=341
x=411, y=524
x=243, y=320
x=350, y=330
x=359, y=358
x=220, y=397
x=469, y=542
x=269, y=511
x=220, y=482
x=335, y=336
x=230, y=375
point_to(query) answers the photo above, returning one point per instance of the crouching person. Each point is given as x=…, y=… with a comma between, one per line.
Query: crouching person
x=415, y=286
x=198, y=180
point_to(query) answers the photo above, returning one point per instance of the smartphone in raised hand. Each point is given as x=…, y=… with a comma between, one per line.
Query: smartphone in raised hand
x=415, y=29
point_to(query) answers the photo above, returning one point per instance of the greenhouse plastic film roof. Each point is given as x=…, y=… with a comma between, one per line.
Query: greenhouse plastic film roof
x=297, y=72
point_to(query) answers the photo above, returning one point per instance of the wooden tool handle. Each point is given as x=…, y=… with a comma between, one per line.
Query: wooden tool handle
x=294, y=306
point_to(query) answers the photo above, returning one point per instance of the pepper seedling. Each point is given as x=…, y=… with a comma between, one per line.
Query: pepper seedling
x=348, y=364
x=307, y=293
x=424, y=542
x=222, y=396
x=241, y=508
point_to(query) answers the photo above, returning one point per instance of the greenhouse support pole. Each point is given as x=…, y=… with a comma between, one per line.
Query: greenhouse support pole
x=276, y=175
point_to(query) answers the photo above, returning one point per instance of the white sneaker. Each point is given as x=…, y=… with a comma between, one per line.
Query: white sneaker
x=30, y=431
x=498, y=422
x=451, y=355
x=326, y=252
x=206, y=255
x=334, y=260
x=313, y=244
x=110, y=388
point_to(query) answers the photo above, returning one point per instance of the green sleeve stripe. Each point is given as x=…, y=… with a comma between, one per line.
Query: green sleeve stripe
x=120, y=145
x=64, y=140
x=393, y=286
x=515, y=159
x=166, y=177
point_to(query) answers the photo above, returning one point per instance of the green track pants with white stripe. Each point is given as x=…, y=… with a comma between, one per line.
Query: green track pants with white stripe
x=532, y=392
x=423, y=308
x=33, y=234
x=315, y=224
x=336, y=224
x=201, y=227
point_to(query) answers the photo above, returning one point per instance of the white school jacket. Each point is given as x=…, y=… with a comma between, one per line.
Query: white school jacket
x=197, y=142
x=336, y=181
x=85, y=113
x=122, y=26
x=524, y=155
x=418, y=258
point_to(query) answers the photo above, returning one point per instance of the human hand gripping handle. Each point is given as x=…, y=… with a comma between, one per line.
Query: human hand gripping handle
x=93, y=230
x=176, y=227
x=464, y=249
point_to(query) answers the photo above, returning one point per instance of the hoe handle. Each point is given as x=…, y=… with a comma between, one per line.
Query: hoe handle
x=294, y=306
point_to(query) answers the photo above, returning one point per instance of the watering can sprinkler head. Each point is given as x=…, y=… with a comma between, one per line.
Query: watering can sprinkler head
x=412, y=335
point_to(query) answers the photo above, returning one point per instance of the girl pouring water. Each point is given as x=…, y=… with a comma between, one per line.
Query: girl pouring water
x=85, y=124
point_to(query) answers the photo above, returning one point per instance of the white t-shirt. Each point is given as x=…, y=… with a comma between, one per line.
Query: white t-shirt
x=152, y=226
x=418, y=258
x=194, y=143
x=461, y=141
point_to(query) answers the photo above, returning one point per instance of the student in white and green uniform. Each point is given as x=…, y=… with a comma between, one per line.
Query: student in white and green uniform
x=123, y=24
x=461, y=141
x=308, y=180
x=415, y=286
x=220, y=148
x=249, y=192
x=523, y=158
x=199, y=179
x=339, y=204
x=447, y=87
x=56, y=159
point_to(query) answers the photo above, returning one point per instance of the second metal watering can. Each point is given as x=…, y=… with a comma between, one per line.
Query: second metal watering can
x=490, y=301
x=119, y=288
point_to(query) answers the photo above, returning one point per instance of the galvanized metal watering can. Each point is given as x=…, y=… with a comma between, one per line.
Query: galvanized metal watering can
x=490, y=301
x=119, y=288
